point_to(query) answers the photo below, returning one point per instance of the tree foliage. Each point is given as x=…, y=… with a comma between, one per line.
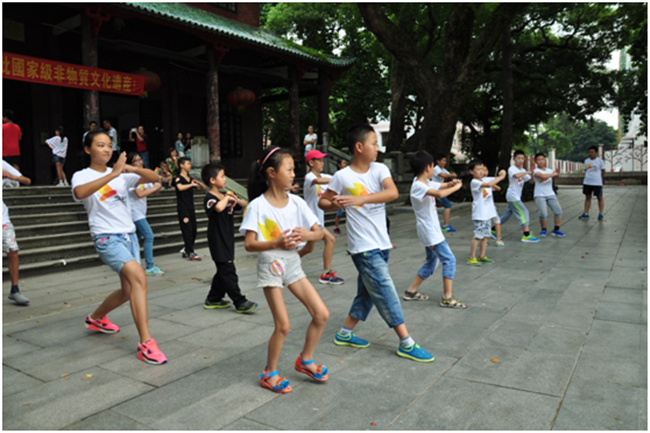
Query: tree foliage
x=360, y=95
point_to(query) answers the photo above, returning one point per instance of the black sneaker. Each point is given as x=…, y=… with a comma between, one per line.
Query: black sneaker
x=246, y=307
x=212, y=305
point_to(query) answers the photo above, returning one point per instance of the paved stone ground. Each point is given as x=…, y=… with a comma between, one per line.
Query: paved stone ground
x=566, y=318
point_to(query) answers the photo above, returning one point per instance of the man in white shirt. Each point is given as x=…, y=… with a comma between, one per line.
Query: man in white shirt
x=310, y=140
x=593, y=183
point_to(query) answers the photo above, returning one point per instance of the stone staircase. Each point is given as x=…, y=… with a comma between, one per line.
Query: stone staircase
x=52, y=229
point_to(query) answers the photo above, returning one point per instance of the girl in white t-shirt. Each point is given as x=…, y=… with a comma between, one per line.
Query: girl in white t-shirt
x=138, y=203
x=544, y=195
x=59, y=146
x=104, y=193
x=275, y=224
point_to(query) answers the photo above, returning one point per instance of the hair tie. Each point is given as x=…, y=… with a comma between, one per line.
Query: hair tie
x=267, y=157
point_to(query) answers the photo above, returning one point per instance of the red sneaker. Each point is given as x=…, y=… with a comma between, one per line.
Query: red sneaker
x=102, y=325
x=149, y=353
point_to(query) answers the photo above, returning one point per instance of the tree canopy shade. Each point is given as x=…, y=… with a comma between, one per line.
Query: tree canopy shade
x=468, y=34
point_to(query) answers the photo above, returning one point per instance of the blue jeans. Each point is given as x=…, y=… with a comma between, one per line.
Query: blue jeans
x=445, y=202
x=375, y=287
x=145, y=159
x=435, y=255
x=144, y=231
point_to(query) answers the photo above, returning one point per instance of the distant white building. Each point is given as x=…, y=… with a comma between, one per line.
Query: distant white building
x=631, y=153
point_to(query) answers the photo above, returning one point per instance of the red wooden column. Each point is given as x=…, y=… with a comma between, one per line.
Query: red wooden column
x=294, y=113
x=216, y=52
x=325, y=83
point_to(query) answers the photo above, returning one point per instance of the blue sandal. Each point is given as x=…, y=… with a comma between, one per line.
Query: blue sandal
x=321, y=370
x=282, y=387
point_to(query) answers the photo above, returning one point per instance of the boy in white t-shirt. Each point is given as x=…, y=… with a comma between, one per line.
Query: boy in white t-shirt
x=483, y=210
x=441, y=175
x=9, y=244
x=362, y=189
x=544, y=195
x=315, y=184
x=517, y=175
x=437, y=250
x=593, y=183
x=104, y=193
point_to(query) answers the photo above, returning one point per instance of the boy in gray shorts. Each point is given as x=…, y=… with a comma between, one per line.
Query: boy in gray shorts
x=544, y=195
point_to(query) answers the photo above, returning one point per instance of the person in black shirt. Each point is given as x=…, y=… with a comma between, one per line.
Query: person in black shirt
x=184, y=186
x=219, y=208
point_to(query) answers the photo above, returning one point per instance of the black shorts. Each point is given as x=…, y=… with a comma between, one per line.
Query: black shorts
x=592, y=189
x=12, y=160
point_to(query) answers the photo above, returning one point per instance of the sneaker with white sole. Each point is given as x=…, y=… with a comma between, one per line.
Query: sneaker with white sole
x=530, y=238
x=558, y=233
x=330, y=278
x=149, y=353
x=153, y=271
x=102, y=325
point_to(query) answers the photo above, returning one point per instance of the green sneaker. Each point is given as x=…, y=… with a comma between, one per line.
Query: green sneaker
x=485, y=260
x=212, y=305
x=472, y=261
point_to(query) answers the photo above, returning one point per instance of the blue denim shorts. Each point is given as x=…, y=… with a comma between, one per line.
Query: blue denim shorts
x=57, y=158
x=117, y=249
x=339, y=213
x=445, y=202
x=375, y=287
x=436, y=254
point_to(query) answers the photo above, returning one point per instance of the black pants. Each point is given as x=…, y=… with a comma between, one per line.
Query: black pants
x=226, y=282
x=187, y=220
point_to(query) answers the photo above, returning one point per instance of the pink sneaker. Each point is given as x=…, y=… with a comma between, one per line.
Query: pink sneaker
x=149, y=353
x=102, y=325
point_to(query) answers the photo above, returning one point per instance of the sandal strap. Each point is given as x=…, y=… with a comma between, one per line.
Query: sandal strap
x=266, y=374
x=311, y=361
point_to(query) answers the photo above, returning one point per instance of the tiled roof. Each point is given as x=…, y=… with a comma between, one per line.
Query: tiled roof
x=189, y=16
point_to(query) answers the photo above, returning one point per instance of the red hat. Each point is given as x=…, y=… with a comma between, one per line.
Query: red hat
x=314, y=154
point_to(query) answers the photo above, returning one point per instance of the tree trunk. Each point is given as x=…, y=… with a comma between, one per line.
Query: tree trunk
x=442, y=93
x=396, y=134
x=508, y=103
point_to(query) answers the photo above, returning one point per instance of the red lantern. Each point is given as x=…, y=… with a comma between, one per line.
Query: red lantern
x=151, y=80
x=240, y=98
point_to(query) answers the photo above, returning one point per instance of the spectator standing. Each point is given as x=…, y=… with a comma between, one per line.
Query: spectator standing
x=59, y=146
x=310, y=140
x=112, y=132
x=188, y=146
x=91, y=127
x=180, y=147
x=11, y=135
x=140, y=138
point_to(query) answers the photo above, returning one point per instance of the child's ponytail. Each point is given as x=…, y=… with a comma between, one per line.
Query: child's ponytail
x=257, y=181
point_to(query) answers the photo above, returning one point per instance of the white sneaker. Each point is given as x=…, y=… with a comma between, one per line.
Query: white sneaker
x=65, y=183
x=60, y=183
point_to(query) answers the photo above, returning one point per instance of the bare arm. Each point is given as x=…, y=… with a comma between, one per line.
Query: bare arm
x=446, y=176
x=147, y=192
x=495, y=181
x=446, y=191
x=389, y=194
x=22, y=179
x=321, y=181
x=522, y=174
x=286, y=241
x=541, y=175
x=327, y=202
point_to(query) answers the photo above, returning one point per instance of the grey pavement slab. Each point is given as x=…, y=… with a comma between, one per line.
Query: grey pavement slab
x=569, y=334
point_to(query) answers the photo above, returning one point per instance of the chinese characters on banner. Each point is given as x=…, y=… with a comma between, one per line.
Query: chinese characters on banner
x=41, y=71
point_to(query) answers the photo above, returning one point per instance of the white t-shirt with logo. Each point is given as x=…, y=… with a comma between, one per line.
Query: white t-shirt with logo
x=543, y=187
x=426, y=216
x=516, y=185
x=269, y=222
x=139, y=205
x=436, y=174
x=313, y=193
x=5, y=210
x=483, y=208
x=108, y=208
x=366, y=224
x=593, y=169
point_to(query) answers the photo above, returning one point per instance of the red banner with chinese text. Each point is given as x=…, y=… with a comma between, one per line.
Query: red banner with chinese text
x=41, y=71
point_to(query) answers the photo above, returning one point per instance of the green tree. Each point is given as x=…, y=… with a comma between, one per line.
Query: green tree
x=359, y=95
x=591, y=134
